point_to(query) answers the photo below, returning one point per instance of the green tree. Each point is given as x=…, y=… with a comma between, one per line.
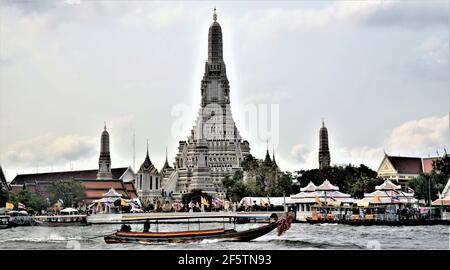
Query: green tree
x=32, y=201
x=71, y=192
x=350, y=179
x=195, y=196
x=364, y=185
x=4, y=197
x=426, y=185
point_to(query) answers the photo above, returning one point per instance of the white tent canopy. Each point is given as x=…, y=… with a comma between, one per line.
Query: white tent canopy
x=69, y=210
x=389, y=193
x=309, y=188
x=325, y=192
x=112, y=193
x=257, y=200
x=327, y=186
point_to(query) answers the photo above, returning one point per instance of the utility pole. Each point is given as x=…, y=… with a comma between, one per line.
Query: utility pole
x=429, y=195
x=134, y=151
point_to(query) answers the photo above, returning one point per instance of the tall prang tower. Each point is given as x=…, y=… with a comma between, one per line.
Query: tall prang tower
x=214, y=148
x=324, y=151
x=104, y=161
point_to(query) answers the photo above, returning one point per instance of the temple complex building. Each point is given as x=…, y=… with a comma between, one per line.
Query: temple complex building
x=214, y=148
x=148, y=181
x=403, y=169
x=95, y=182
x=3, y=183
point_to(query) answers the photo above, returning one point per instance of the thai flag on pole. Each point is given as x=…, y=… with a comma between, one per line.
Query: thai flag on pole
x=217, y=201
x=21, y=206
x=191, y=204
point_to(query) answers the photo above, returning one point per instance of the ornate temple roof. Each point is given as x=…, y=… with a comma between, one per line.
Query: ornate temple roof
x=3, y=183
x=21, y=179
x=166, y=164
x=148, y=166
x=408, y=165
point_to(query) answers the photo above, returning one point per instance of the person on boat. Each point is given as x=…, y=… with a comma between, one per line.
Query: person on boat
x=125, y=228
x=146, y=226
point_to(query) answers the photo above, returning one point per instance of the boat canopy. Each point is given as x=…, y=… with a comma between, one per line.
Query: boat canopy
x=69, y=210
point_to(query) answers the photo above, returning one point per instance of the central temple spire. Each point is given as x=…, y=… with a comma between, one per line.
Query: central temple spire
x=215, y=88
x=324, y=151
x=104, y=161
x=215, y=41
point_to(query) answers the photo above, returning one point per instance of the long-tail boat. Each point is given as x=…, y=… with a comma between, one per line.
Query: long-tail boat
x=125, y=235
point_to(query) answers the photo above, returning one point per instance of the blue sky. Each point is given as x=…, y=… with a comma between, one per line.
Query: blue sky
x=376, y=71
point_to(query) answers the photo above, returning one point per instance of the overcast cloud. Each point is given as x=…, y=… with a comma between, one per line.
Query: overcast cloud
x=376, y=71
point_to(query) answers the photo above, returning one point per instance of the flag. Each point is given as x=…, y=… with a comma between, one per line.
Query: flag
x=123, y=203
x=196, y=205
x=191, y=204
x=317, y=199
x=9, y=205
x=216, y=201
x=21, y=206
x=262, y=202
x=376, y=198
x=204, y=201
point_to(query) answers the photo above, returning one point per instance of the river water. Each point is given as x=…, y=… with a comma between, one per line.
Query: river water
x=300, y=236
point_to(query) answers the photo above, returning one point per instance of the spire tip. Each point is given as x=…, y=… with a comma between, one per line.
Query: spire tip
x=215, y=14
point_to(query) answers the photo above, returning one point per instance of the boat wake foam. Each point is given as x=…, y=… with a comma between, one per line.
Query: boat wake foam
x=309, y=244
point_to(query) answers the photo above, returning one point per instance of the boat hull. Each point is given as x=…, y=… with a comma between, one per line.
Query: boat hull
x=192, y=236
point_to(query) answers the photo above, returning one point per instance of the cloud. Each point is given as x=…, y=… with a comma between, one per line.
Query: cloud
x=407, y=14
x=435, y=50
x=413, y=138
x=299, y=152
x=419, y=135
x=267, y=97
x=121, y=137
x=50, y=149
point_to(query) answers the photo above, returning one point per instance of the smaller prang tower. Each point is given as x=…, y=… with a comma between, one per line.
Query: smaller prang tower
x=104, y=161
x=324, y=151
